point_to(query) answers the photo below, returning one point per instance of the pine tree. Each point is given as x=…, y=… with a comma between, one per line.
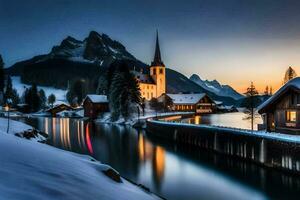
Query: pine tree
x=289, y=74
x=51, y=99
x=251, y=102
x=102, y=85
x=266, y=92
x=32, y=98
x=15, y=98
x=8, y=89
x=124, y=91
x=271, y=91
x=43, y=98
x=77, y=92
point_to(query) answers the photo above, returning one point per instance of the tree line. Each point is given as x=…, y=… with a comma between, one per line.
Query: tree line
x=33, y=98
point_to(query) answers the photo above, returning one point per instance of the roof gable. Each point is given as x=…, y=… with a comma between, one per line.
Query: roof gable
x=293, y=84
x=186, y=98
x=94, y=98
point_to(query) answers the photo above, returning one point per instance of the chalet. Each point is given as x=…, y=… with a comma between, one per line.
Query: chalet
x=281, y=112
x=58, y=108
x=93, y=105
x=198, y=103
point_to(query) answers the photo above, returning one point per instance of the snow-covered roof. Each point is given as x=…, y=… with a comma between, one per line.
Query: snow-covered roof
x=186, y=98
x=97, y=98
x=294, y=83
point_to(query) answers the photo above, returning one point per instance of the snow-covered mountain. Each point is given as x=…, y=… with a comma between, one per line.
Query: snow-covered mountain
x=215, y=87
x=96, y=48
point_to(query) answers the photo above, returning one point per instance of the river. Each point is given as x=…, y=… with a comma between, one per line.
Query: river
x=166, y=169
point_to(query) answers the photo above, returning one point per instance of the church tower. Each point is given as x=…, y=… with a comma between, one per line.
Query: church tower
x=158, y=70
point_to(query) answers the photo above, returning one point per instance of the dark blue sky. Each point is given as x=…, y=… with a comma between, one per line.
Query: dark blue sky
x=208, y=37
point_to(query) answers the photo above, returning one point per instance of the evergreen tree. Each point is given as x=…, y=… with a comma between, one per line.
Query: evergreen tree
x=167, y=103
x=124, y=91
x=266, y=92
x=2, y=80
x=77, y=92
x=51, y=99
x=32, y=98
x=271, y=91
x=15, y=98
x=155, y=104
x=251, y=102
x=289, y=74
x=11, y=93
x=102, y=85
x=9, y=88
x=43, y=98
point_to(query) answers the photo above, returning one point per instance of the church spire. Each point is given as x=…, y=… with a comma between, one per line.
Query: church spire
x=157, y=56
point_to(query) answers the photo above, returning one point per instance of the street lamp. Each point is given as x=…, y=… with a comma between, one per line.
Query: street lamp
x=7, y=108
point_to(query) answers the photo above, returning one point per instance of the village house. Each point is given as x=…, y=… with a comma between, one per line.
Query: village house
x=58, y=108
x=153, y=85
x=94, y=105
x=198, y=103
x=281, y=112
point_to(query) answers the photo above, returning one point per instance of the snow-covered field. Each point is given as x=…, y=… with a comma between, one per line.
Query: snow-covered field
x=20, y=87
x=31, y=170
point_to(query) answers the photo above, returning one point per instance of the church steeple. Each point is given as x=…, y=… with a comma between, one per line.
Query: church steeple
x=157, y=56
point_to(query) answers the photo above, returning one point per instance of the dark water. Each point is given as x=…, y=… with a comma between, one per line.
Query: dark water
x=173, y=172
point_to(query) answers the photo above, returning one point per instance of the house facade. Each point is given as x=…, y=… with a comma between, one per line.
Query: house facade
x=153, y=85
x=281, y=112
x=198, y=103
x=94, y=105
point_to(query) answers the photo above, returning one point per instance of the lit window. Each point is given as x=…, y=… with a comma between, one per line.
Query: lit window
x=291, y=116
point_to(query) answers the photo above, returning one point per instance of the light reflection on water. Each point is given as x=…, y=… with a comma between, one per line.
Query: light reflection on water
x=171, y=171
x=235, y=120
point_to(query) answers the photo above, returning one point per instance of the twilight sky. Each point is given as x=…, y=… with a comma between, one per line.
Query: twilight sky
x=233, y=41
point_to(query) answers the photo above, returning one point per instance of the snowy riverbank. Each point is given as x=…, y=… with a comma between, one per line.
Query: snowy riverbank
x=106, y=118
x=31, y=170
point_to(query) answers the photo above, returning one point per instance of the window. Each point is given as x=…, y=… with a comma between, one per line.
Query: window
x=161, y=71
x=291, y=116
x=154, y=71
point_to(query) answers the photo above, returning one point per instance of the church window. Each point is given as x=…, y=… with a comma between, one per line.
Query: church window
x=161, y=71
x=154, y=71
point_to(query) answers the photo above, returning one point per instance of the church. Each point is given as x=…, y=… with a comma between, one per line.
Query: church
x=153, y=85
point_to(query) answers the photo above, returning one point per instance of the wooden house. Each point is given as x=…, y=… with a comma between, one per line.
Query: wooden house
x=59, y=108
x=93, y=105
x=198, y=103
x=281, y=112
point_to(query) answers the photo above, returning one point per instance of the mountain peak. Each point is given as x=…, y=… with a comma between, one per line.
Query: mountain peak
x=195, y=77
x=215, y=87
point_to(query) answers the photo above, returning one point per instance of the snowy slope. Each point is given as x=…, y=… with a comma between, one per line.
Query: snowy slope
x=20, y=87
x=215, y=87
x=31, y=170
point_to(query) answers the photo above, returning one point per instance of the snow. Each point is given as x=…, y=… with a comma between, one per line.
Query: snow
x=282, y=137
x=32, y=170
x=106, y=118
x=114, y=50
x=294, y=83
x=20, y=87
x=97, y=98
x=15, y=126
x=186, y=98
